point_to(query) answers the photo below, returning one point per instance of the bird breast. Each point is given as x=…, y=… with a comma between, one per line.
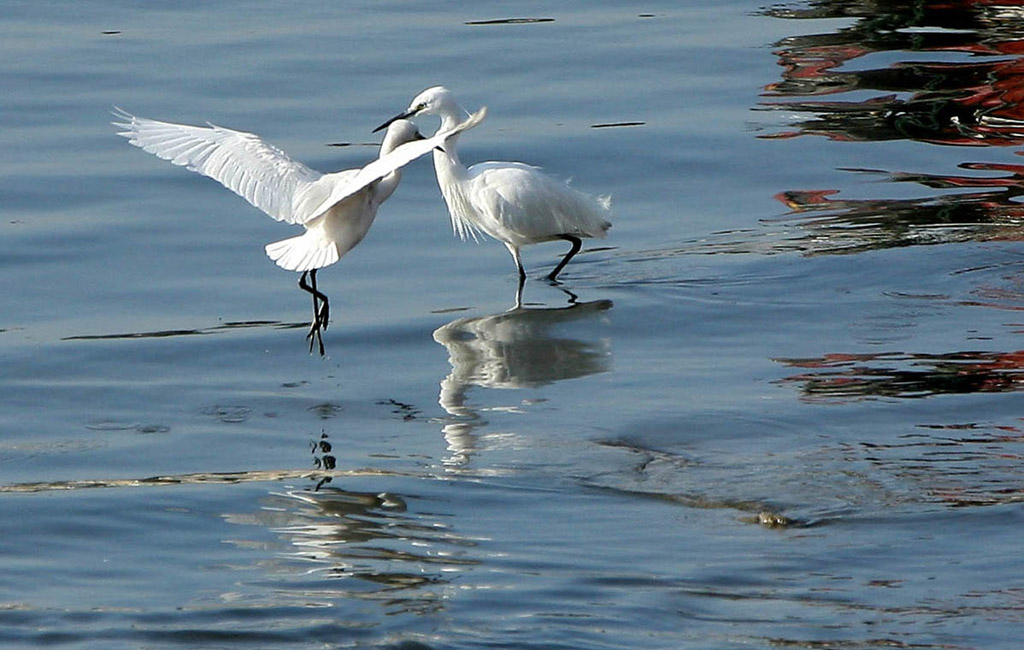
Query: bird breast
x=347, y=222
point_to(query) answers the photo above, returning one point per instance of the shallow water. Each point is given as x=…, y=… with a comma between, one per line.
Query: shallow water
x=778, y=406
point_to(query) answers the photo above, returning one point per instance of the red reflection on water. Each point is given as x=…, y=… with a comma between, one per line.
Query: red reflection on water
x=967, y=103
x=990, y=208
x=851, y=377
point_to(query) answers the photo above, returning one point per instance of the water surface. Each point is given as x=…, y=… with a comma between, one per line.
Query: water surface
x=778, y=406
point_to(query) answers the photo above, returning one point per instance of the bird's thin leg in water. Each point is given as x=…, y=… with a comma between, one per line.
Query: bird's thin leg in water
x=576, y=245
x=519, y=293
x=320, y=311
x=573, y=298
x=519, y=262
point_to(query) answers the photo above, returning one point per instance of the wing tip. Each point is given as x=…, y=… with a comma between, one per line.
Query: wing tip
x=127, y=120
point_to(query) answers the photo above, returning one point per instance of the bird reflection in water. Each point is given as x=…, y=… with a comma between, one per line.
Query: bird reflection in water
x=343, y=544
x=513, y=349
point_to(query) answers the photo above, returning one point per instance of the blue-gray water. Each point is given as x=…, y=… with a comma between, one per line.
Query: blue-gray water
x=782, y=410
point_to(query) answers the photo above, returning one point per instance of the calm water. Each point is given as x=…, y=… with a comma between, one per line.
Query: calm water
x=778, y=407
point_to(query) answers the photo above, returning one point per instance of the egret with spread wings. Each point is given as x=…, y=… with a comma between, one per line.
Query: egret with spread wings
x=335, y=209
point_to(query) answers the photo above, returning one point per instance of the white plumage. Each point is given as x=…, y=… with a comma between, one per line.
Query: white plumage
x=515, y=203
x=336, y=209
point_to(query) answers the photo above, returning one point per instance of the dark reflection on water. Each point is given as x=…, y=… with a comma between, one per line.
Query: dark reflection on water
x=217, y=329
x=510, y=21
x=846, y=377
x=197, y=478
x=363, y=545
x=347, y=544
x=973, y=96
x=991, y=211
x=970, y=464
x=952, y=463
x=658, y=475
x=511, y=350
x=952, y=102
x=984, y=204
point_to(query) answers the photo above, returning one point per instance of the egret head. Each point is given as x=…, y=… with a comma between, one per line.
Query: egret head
x=399, y=132
x=436, y=100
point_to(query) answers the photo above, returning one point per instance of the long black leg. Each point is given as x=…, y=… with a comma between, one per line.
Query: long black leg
x=311, y=291
x=324, y=313
x=321, y=311
x=314, y=335
x=576, y=245
x=321, y=306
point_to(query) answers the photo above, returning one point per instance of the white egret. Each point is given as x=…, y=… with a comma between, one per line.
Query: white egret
x=336, y=209
x=515, y=203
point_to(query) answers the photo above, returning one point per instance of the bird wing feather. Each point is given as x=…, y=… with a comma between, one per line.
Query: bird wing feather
x=531, y=205
x=307, y=202
x=259, y=172
x=494, y=195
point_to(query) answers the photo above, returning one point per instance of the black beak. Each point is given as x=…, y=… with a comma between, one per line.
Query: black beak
x=400, y=116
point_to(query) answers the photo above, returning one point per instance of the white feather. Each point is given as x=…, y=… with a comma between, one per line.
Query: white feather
x=515, y=203
x=258, y=172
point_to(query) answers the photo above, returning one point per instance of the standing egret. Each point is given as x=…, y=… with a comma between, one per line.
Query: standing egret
x=515, y=203
x=336, y=209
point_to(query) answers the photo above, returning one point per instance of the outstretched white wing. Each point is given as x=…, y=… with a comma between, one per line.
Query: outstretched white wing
x=307, y=203
x=258, y=172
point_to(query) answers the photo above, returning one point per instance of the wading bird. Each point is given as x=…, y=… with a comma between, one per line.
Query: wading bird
x=515, y=203
x=336, y=209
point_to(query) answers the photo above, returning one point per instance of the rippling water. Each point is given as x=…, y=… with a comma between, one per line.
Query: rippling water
x=778, y=407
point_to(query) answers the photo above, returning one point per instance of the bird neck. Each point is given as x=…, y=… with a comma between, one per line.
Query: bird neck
x=447, y=165
x=451, y=118
x=386, y=186
x=446, y=161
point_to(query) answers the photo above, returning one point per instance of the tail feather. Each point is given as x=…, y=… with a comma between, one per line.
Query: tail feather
x=605, y=202
x=303, y=253
x=590, y=215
